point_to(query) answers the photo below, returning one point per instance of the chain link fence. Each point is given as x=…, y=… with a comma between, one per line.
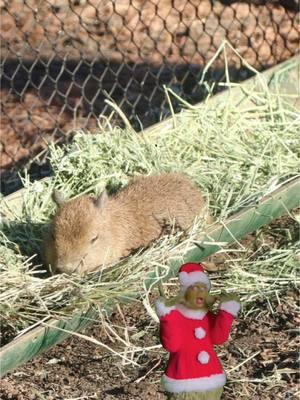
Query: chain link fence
x=61, y=59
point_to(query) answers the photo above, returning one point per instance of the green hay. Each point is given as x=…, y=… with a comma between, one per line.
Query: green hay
x=236, y=152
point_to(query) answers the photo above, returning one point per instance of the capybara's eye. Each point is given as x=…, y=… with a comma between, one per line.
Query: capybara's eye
x=94, y=239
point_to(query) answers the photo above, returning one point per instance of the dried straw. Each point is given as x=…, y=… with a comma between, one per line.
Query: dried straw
x=236, y=152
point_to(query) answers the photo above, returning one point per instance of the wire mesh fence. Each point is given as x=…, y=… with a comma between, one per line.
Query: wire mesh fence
x=61, y=59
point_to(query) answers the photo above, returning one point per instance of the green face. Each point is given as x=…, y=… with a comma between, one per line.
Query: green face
x=196, y=296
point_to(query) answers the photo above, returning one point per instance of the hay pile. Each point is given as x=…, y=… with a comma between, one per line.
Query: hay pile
x=235, y=152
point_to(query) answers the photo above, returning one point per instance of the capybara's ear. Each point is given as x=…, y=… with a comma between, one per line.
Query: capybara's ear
x=101, y=201
x=58, y=197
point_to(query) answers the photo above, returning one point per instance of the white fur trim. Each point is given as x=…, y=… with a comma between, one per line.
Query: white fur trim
x=187, y=279
x=203, y=384
x=200, y=333
x=203, y=357
x=231, y=306
x=163, y=310
x=191, y=314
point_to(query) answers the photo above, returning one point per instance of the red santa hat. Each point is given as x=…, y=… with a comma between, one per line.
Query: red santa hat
x=191, y=273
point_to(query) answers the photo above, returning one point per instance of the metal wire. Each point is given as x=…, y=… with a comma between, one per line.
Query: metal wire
x=60, y=60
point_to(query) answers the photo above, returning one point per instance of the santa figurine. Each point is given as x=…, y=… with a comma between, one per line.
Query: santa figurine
x=189, y=331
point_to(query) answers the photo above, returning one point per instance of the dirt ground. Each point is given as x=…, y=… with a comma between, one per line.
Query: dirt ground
x=78, y=369
x=150, y=32
x=261, y=357
x=61, y=59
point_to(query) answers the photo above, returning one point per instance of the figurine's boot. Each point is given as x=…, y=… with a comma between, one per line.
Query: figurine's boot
x=211, y=395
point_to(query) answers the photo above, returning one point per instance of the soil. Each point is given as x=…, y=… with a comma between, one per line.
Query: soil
x=61, y=59
x=261, y=356
x=266, y=343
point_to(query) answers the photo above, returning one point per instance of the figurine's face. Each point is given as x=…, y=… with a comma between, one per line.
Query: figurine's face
x=196, y=297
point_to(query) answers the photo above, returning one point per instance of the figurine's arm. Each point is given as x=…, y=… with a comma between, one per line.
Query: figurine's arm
x=220, y=324
x=170, y=327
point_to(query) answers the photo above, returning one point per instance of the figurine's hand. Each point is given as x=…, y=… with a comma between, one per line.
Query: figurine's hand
x=172, y=301
x=230, y=302
x=164, y=306
x=228, y=297
x=162, y=300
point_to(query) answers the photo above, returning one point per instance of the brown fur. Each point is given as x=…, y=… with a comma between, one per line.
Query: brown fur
x=131, y=219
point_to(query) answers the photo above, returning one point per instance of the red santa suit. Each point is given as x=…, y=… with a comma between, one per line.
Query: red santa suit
x=189, y=336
